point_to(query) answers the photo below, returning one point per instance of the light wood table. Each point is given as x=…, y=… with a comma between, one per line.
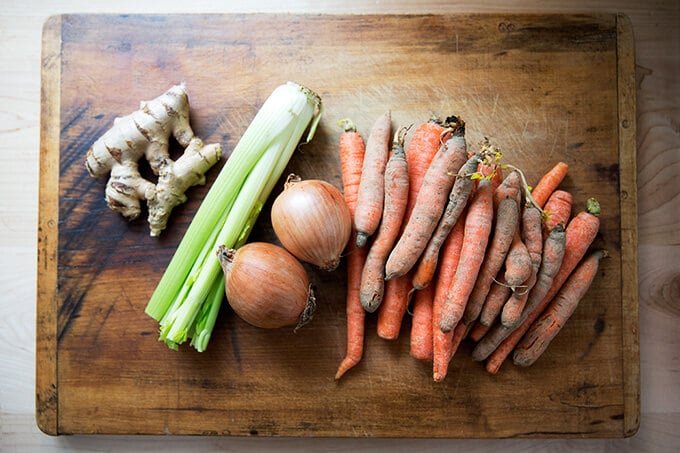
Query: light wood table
x=656, y=28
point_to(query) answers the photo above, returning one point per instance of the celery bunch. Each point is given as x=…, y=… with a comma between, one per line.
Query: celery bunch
x=188, y=297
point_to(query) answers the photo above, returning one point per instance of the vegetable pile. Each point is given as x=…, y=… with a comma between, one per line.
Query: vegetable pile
x=457, y=235
x=476, y=254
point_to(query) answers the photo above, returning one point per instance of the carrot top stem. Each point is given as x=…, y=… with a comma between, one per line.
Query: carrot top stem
x=525, y=187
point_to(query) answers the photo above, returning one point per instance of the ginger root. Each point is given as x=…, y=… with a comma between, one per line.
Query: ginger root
x=146, y=133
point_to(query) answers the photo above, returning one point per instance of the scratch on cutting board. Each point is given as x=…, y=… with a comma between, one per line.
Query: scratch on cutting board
x=456, y=42
x=495, y=103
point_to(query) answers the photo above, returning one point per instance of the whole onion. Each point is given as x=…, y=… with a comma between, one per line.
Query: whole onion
x=312, y=221
x=267, y=286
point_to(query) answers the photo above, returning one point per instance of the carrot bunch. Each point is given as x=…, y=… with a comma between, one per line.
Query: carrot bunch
x=475, y=254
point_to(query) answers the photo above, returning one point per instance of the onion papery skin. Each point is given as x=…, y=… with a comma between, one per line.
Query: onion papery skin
x=267, y=286
x=312, y=221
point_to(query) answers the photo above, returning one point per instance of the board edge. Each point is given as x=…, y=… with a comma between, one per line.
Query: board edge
x=46, y=391
x=628, y=208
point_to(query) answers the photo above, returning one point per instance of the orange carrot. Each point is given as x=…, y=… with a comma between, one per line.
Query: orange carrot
x=478, y=330
x=352, y=149
x=477, y=230
x=495, y=299
x=553, y=252
x=396, y=197
x=557, y=210
x=518, y=266
x=509, y=188
x=421, y=325
x=457, y=335
x=450, y=255
x=429, y=205
x=580, y=233
x=548, y=183
x=371, y=195
x=506, y=226
x=425, y=142
x=351, y=160
x=392, y=309
x=458, y=199
x=545, y=328
x=533, y=239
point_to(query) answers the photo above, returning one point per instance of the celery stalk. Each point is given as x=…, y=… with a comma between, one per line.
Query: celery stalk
x=188, y=296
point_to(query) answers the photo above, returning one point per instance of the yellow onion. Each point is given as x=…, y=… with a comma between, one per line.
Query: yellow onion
x=312, y=221
x=267, y=286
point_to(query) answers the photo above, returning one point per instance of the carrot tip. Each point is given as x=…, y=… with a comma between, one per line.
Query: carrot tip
x=361, y=239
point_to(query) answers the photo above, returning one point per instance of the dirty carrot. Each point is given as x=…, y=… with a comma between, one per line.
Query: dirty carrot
x=495, y=299
x=396, y=198
x=429, y=205
x=509, y=188
x=557, y=210
x=553, y=253
x=545, y=328
x=352, y=150
x=580, y=233
x=421, y=325
x=518, y=266
x=426, y=140
x=533, y=239
x=507, y=221
x=450, y=255
x=513, y=307
x=458, y=199
x=371, y=195
x=477, y=230
x=548, y=183
x=531, y=234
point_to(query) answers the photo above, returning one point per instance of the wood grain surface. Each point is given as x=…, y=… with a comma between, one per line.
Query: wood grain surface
x=523, y=81
x=657, y=45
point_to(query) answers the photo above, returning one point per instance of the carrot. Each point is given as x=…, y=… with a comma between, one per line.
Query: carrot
x=506, y=226
x=396, y=198
x=429, y=204
x=531, y=234
x=495, y=299
x=478, y=330
x=352, y=150
x=513, y=307
x=457, y=335
x=392, y=309
x=518, y=266
x=557, y=210
x=545, y=328
x=370, y=197
x=533, y=239
x=458, y=198
x=509, y=188
x=494, y=173
x=553, y=252
x=442, y=343
x=421, y=325
x=425, y=143
x=548, y=183
x=580, y=233
x=477, y=230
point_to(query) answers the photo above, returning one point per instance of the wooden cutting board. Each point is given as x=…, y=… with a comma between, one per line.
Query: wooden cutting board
x=542, y=87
